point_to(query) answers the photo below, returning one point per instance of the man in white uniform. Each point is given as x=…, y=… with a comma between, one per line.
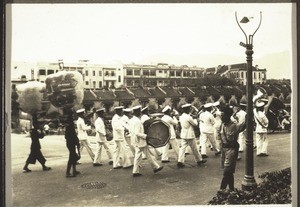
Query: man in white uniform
x=121, y=159
x=138, y=138
x=207, y=130
x=188, y=137
x=171, y=121
x=101, y=139
x=241, y=118
x=125, y=119
x=82, y=133
x=261, y=130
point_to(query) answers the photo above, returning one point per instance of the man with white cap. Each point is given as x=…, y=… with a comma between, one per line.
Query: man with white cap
x=171, y=121
x=126, y=118
x=138, y=137
x=101, y=138
x=82, y=133
x=121, y=159
x=207, y=130
x=188, y=137
x=261, y=130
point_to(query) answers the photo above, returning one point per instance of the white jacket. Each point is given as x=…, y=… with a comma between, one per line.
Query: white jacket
x=171, y=123
x=117, y=127
x=138, y=137
x=81, y=129
x=261, y=121
x=207, y=121
x=187, y=126
x=144, y=118
x=100, y=130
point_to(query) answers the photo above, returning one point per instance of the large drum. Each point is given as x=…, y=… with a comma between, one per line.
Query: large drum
x=158, y=133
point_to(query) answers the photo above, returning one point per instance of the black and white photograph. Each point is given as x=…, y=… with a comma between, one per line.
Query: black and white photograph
x=151, y=104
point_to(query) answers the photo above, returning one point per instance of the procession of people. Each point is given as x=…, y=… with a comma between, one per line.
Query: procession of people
x=222, y=127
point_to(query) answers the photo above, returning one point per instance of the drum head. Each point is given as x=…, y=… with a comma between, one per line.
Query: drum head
x=158, y=134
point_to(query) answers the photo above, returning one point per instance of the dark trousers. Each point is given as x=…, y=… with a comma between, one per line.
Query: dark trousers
x=73, y=157
x=228, y=179
x=34, y=155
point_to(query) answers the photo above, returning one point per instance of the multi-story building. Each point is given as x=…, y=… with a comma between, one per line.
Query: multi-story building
x=97, y=76
x=94, y=75
x=239, y=73
x=161, y=74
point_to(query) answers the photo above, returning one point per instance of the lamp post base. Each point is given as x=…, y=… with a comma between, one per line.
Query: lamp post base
x=249, y=183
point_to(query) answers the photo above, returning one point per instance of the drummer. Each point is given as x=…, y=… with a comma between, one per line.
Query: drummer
x=170, y=119
x=188, y=137
x=138, y=138
x=145, y=121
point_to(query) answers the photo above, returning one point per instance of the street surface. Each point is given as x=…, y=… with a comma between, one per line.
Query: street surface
x=191, y=185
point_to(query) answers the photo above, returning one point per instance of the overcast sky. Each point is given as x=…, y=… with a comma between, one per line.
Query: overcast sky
x=205, y=35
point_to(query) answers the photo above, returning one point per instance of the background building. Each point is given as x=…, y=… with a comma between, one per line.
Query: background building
x=161, y=74
x=97, y=76
x=239, y=73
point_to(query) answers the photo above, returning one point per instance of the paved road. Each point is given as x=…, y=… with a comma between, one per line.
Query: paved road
x=188, y=186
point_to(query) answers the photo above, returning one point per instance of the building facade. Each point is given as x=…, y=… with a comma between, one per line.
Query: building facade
x=96, y=76
x=161, y=74
x=239, y=73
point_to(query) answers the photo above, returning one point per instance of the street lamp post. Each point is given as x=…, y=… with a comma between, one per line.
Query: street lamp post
x=249, y=182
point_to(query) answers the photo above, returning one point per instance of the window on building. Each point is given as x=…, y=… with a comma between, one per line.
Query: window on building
x=100, y=84
x=178, y=73
x=129, y=72
x=119, y=79
x=50, y=72
x=106, y=73
x=86, y=72
x=94, y=84
x=242, y=74
x=152, y=73
x=94, y=73
x=146, y=72
x=254, y=75
x=42, y=72
x=259, y=75
x=86, y=83
x=137, y=72
x=160, y=71
x=112, y=73
x=172, y=73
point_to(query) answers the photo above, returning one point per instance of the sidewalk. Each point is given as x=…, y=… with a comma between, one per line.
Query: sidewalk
x=191, y=185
